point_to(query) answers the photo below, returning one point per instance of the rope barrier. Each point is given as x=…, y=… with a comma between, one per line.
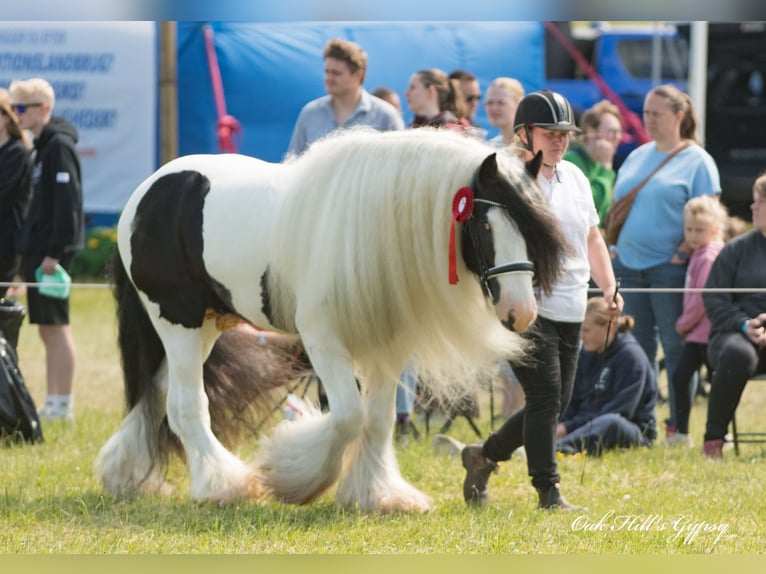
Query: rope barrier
x=71, y=286
x=590, y=290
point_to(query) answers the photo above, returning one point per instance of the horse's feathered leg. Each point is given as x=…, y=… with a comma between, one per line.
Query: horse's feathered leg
x=371, y=478
x=216, y=474
x=303, y=458
x=127, y=463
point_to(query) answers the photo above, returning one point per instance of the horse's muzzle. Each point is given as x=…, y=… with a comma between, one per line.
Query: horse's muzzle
x=518, y=319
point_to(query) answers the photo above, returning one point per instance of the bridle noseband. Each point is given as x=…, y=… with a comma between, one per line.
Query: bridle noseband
x=486, y=273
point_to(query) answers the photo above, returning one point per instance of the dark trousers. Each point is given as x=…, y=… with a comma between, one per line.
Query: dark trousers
x=734, y=360
x=604, y=432
x=547, y=378
x=693, y=356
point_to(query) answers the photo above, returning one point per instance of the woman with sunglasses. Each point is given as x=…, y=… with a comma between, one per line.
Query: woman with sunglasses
x=15, y=188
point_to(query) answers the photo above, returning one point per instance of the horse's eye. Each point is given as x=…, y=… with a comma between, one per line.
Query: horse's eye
x=487, y=226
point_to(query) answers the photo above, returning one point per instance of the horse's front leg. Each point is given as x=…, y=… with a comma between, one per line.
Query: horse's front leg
x=371, y=478
x=302, y=458
x=216, y=474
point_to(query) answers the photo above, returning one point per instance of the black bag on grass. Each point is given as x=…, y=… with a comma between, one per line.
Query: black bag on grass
x=18, y=413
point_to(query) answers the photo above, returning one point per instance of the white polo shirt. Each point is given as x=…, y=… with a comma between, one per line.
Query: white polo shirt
x=571, y=199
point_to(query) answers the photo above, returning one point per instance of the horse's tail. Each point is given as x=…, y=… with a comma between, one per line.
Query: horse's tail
x=140, y=345
x=142, y=355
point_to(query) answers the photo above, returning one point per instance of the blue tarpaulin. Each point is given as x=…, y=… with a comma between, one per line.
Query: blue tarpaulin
x=270, y=70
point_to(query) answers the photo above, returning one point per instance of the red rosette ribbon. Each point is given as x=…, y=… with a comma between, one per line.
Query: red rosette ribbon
x=462, y=207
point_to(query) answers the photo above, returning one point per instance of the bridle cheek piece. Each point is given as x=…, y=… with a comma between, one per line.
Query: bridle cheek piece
x=487, y=273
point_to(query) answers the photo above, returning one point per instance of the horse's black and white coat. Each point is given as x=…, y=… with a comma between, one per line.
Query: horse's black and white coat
x=347, y=246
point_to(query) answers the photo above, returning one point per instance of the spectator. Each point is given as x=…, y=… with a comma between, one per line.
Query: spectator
x=436, y=101
x=656, y=261
x=388, y=95
x=405, y=401
x=704, y=221
x=469, y=87
x=543, y=122
x=503, y=96
x=15, y=187
x=615, y=388
x=52, y=233
x=593, y=152
x=347, y=103
x=737, y=349
x=735, y=226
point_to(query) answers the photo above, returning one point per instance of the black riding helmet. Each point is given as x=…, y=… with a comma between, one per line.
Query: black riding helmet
x=545, y=109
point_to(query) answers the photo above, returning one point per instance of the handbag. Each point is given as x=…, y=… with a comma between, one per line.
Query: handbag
x=18, y=414
x=618, y=213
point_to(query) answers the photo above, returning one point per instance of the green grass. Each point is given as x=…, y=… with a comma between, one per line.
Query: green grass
x=51, y=503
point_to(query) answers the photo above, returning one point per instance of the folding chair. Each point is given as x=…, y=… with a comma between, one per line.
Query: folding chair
x=756, y=437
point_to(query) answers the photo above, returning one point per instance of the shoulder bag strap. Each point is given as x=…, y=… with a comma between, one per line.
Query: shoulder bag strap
x=678, y=149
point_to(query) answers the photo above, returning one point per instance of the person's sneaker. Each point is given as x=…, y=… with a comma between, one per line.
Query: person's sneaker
x=444, y=444
x=52, y=415
x=551, y=498
x=478, y=468
x=713, y=449
x=679, y=439
x=670, y=430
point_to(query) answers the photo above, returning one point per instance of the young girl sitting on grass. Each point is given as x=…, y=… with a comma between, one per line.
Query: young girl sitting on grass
x=704, y=224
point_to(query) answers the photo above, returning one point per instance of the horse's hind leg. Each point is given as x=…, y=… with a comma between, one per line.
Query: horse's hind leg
x=371, y=478
x=303, y=458
x=216, y=473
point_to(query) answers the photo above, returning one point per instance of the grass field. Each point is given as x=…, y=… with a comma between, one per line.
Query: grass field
x=650, y=501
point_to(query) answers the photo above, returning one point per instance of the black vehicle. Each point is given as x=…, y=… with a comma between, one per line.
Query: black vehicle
x=735, y=133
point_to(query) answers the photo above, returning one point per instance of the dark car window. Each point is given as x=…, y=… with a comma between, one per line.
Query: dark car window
x=636, y=55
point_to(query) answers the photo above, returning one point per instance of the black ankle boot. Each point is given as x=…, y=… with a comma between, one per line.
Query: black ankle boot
x=551, y=497
x=478, y=468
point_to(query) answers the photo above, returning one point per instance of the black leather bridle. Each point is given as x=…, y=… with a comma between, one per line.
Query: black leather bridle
x=486, y=273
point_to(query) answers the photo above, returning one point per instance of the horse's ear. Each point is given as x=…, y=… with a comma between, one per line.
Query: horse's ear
x=488, y=169
x=533, y=165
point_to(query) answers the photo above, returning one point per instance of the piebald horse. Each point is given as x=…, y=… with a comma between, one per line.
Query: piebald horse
x=373, y=247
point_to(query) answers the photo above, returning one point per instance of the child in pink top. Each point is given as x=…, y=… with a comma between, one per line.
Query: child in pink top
x=704, y=224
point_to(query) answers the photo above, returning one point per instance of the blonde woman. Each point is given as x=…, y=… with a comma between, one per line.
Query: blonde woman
x=503, y=97
x=15, y=187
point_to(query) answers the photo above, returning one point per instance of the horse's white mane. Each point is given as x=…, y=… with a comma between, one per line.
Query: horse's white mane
x=362, y=235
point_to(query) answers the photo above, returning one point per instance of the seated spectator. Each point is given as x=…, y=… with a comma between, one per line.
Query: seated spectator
x=615, y=389
x=737, y=348
x=704, y=222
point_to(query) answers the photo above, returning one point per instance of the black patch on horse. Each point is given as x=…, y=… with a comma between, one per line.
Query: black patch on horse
x=166, y=247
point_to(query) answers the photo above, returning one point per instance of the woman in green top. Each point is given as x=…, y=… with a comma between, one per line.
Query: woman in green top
x=594, y=150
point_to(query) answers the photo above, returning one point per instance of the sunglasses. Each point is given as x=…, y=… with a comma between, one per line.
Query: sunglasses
x=22, y=108
x=470, y=99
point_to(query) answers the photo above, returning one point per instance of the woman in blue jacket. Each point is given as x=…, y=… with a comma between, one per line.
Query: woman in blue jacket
x=615, y=388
